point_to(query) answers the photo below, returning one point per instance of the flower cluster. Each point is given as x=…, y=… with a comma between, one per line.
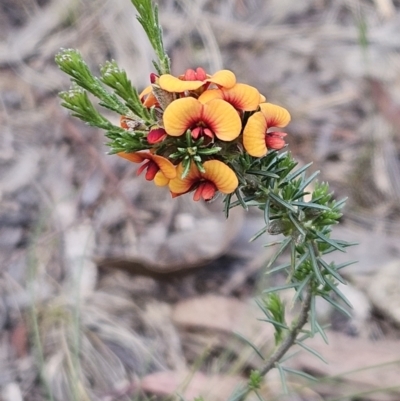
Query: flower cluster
x=202, y=122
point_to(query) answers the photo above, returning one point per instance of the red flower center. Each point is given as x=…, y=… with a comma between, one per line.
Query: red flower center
x=274, y=140
x=202, y=131
x=192, y=75
x=205, y=190
x=152, y=170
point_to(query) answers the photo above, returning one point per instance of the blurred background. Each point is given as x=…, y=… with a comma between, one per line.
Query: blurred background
x=111, y=290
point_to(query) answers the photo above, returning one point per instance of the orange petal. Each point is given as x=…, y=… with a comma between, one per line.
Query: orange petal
x=254, y=135
x=147, y=97
x=221, y=175
x=181, y=114
x=241, y=96
x=223, y=78
x=173, y=84
x=136, y=157
x=180, y=186
x=276, y=116
x=166, y=167
x=222, y=119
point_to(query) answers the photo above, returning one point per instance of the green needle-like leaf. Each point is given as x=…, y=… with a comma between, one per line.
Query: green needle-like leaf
x=314, y=264
x=278, y=268
x=336, y=290
x=300, y=288
x=297, y=224
x=295, y=174
x=337, y=306
x=115, y=78
x=321, y=331
x=283, y=378
x=258, y=234
x=310, y=205
x=311, y=351
x=248, y=342
x=263, y=173
x=282, y=202
x=299, y=373
x=306, y=182
x=329, y=241
x=331, y=271
x=280, y=288
x=283, y=246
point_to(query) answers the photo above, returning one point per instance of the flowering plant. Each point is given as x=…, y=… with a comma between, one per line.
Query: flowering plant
x=208, y=134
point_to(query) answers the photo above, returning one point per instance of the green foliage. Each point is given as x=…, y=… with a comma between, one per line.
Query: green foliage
x=77, y=99
x=148, y=18
x=70, y=61
x=114, y=77
x=305, y=218
x=276, y=308
x=255, y=380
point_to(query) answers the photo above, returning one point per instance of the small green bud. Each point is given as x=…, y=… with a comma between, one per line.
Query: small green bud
x=255, y=380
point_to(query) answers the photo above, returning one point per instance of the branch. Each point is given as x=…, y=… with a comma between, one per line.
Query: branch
x=291, y=337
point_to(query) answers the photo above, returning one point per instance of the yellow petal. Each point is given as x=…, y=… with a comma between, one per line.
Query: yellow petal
x=181, y=114
x=223, y=78
x=222, y=119
x=209, y=95
x=254, y=135
x=262, y=98
x=173, y=84
x=160, y=179
x=166, y=167
x=181, y=186
x=221, y=175
x=276, y=116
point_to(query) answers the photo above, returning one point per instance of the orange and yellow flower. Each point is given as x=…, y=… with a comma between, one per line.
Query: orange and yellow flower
x=216, y=117
x=217, y=177
x=157, y=168
x=241, y=96
x=193, y=80
x=256, y=139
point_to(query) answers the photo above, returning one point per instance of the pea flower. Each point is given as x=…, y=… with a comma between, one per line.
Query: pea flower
x=256, y=139
x=217, y=177
x=216, y=117
x=156, y=135
x=194, y=80
x=153, y=165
